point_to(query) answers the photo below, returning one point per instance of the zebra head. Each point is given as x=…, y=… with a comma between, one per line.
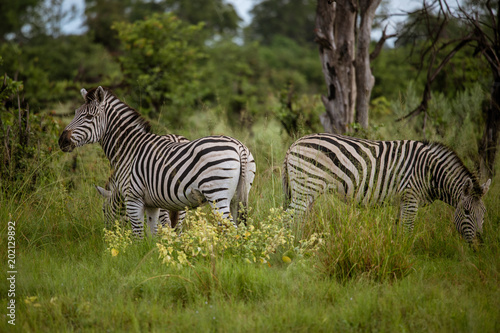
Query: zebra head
x=469, y=214
x=113, y=206
x=89, y=123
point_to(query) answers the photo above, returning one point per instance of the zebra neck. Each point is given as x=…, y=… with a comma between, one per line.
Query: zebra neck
x=125, y=130
x=447, y=176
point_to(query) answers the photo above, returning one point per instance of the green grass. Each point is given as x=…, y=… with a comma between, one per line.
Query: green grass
x=366, y=276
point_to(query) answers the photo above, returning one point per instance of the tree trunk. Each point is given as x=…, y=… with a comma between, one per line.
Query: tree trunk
x=335, y=35
x=364, y=77
x=489, y=143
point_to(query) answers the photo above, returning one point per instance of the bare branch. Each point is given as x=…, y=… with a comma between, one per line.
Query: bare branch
x=378, y=47
x=431, y=76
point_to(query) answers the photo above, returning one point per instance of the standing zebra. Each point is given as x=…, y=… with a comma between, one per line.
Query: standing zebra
x=114, y=208
x=153, y=172
x=371, y=172
x=114, y=203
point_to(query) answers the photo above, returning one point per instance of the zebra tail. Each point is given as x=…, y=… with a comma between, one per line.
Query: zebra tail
x=241, y=189
x=286, y=184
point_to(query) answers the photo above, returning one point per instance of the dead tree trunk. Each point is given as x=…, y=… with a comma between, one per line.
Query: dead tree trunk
x=346, y=61
x=335, y=27
x=364, y=78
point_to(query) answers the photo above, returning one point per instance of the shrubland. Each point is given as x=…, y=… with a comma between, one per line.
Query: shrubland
x=338, y=268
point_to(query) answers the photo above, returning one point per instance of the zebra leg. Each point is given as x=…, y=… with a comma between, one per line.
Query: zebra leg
x=135, y=212
x=165, y=218
x=408, y=211
x=152, y=214
x=180, y=217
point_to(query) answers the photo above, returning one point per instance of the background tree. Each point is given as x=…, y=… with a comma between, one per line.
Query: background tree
x=480, y=31
x=100, y=16
x=13, y=16
x=218, y=16
x=292, y=19
x=345, y=57
x=159, y=62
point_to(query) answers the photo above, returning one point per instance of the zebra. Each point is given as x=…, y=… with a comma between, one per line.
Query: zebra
x=114, y=208
x=114, y=205
x=153, y=172
x=372, y=172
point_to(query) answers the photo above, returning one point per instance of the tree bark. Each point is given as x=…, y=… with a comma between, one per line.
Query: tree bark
x=335, y=35
x=364, y=78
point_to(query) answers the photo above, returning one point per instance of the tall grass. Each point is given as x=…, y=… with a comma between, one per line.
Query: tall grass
x=361, y=243
x=366, y=275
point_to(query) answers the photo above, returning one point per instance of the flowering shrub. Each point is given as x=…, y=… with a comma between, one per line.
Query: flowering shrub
x=117, y=239
x=209, y=236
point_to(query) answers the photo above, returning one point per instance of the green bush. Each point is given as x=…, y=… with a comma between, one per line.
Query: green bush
x=159, y=64
x=210, y=237
x=27, y=139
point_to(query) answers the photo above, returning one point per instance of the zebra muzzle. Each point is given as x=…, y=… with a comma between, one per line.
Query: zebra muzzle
x=65, y=142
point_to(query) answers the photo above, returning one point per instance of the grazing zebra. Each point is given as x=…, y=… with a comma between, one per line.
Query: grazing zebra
x=114, y=208
x=114, y=204
x=153, y=172
x=371, y=172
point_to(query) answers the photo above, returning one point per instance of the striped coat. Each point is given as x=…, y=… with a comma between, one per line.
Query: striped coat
x=372, y=172
x=114, y=204
x=154, y=172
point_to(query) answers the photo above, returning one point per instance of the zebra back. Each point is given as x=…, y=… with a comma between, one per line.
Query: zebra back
x=372, y=172
x=153, y=172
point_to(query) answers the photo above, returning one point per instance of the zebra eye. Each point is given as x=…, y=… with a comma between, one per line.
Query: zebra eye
x=89, y=116
x=466, y=212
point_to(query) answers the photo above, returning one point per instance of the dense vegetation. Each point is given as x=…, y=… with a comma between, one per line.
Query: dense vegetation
x=340, y=268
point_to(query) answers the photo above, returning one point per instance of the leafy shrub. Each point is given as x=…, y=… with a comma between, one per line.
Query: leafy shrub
x=117, y=239
x=208, y=236
x=26, y=138
x=159, y=58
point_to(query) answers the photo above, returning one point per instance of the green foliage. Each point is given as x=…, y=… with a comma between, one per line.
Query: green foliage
x=246, y=81
x=218, y=16
x=14, y=14
x=117, y=239
x=288, y=61
x=26, y=138
x=294, y=20
x=100, y=16
x=394, y=69
x=68, y=281
x=210, y=237
x=299, y=115
x=159, y=63
x=53, y=70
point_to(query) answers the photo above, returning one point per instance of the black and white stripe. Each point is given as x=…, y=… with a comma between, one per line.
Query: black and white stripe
x=153, y=172
x=114, y=203
x=372, y=172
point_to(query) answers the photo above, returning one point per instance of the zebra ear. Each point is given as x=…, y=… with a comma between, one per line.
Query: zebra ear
x=102, y=191
x=486, y=186
x=467, y=188
x=100, y=94
x=83, y=92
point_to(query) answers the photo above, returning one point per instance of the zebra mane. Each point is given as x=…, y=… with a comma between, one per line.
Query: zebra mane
x=93, y=94
x=473, y=176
